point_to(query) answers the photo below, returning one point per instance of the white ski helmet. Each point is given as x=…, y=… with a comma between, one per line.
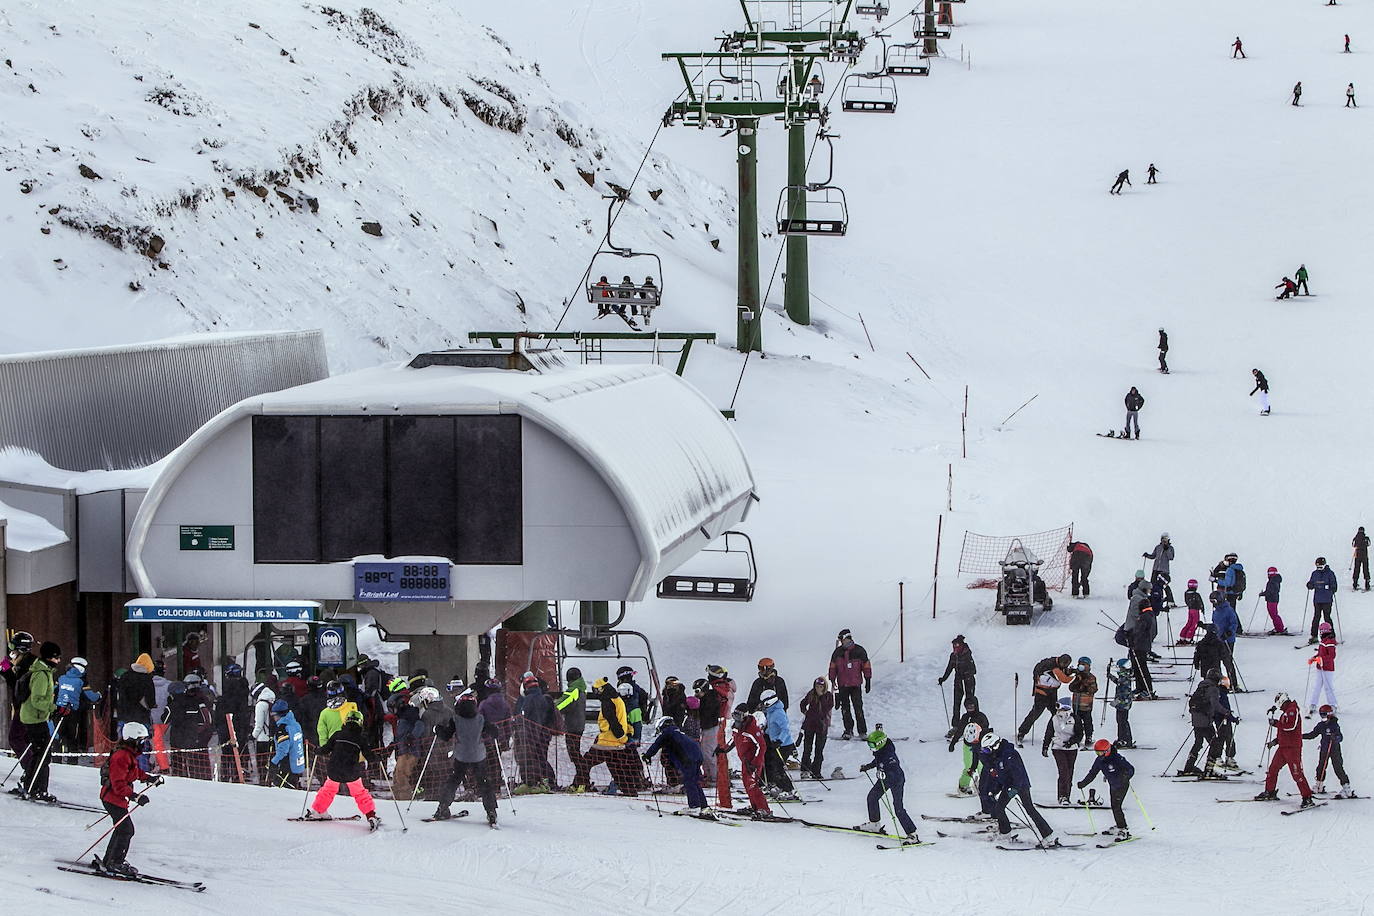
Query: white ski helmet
x=79, y=664
x=626, y=690
x=133, y=731
x=972, y=732
x=1281, y=698
x=768, y=698
x=424, y=696
x=663, y=722
x=990, y=740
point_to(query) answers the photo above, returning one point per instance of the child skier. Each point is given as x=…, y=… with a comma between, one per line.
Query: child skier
x=1193, y=601
x=1121, y=701
x=1324, y=678
x=780, y=747
x=752, y=747
x=1225, y=723
x=969, y=729
x=288, y=761
x=1005, y=778
x=117, y=790
x=891, y=779
x=1271, y=602
x=1061, y=737
x=686, y=759
x=347, y=750
x=1329, y=731
x=1117, y=770
x=1287, y=726
x=1084, y=690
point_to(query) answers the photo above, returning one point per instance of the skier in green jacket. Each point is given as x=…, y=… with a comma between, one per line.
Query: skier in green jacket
x=1301, y=277
x=33, y=715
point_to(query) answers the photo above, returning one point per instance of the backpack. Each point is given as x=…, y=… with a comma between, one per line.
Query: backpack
x=23, y=689
x=1044, y=666
x=1195, y=702
x=1121, y=637
x=1240, y=581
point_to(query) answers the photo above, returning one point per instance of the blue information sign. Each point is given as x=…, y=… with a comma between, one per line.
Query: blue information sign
x=330, y=645
x=401, y=581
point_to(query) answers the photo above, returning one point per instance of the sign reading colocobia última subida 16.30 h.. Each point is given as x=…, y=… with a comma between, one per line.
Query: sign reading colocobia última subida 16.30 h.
x=401, y=581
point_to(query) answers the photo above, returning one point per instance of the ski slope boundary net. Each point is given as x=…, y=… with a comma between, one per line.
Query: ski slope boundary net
x=982, y=554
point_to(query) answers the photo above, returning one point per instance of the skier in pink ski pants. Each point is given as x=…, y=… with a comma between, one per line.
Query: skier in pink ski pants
x=1271, y=602
x=1193, y=601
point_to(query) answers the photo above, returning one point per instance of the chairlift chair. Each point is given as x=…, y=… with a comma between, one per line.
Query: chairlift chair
x=627, y=298
x=875, y=8
x=824, y=212
x=869, y=92
x=905, y=60
x=716, y=588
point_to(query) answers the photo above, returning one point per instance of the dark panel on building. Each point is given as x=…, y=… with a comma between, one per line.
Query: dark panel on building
x=352, y=487
x=489, y=491
x=286, y=490
x=423, y=487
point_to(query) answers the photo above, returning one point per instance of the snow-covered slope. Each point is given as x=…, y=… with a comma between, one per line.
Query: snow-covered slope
x=394, y=174
x=983, y=243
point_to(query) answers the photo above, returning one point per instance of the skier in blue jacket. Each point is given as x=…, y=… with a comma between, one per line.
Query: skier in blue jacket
x=1004, y=779
x=685, y=756
x=780, y=747
x=1322, y=584
x=1117, y=770
x=71, y=698
x=1225, y=623
x=891, y=779
x=289, y=758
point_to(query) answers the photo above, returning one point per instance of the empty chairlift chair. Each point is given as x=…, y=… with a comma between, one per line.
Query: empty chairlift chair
x=905, y=60
x=737, y=587
x=817, y=208
x=869, y=92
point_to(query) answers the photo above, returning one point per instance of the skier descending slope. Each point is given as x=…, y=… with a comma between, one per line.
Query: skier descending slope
x=1005, y=779
x=1288, y=729
x=1123, y=178
x=117, y=780
x=1262, y=386
x=891, y=780
x=962, y=666
x=1117, y=770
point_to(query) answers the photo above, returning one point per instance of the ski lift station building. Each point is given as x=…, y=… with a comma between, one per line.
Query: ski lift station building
x=478, y=481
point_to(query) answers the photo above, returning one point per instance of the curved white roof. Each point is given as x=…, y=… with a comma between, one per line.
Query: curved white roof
x=665, y=451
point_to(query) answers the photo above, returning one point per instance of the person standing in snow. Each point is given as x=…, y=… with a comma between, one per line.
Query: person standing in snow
x=1193, y=602
x=768, y=679
x=708, y=724
x=891, y=781
x=263, y=699
x=964, y=670
x=117, y=790
x=73, y=697
x=1237, y=49
x=1288, y=286
x=752, y=749
x=348, y=753
x=1271, y=602
x=1360, y=543
x=1226, y=725
x=1083, y=689
x=1048, y=675
x=1162, y=554
x=1080, y=566
x=685, y=756
x=471, y=734
x=1140, y=629
x=288, y=761
x=1134, y=401
x=1205, y=708
x=849, y=668
x=34, y=713
x=1124, y=177
x=1163, y=345
x=1287, y=725
x=1322, y=584
x=1060, y=738
x=780, y=747
x=1004, y=779
x=1121, y=701
x=1324, y=670
x=1350, y=96
x=1329, y=731
x=1297, y=92
x=1262, y=386
x=1301, y=277
x=1226, y=623
x=1346, y=49
x=816, y=707
x=1117, y=770
x=1151, y=172
x=572, y=704
x=967, y=731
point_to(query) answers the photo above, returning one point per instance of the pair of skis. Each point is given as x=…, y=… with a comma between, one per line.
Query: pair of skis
x=97, y=869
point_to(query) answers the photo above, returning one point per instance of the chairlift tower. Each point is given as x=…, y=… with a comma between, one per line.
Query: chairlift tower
x=722, y=92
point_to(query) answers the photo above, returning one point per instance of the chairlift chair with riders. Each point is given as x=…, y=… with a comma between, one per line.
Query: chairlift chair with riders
x=717, y=588
x=627, y=298
x=826, y=209
x=869, y=92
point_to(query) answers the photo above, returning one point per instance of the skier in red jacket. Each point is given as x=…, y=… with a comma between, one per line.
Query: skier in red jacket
x=752, y=747
x=1288, y=730
x=117, y=790
x=1324, y=675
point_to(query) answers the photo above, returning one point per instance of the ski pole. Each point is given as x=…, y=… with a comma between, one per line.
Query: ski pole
x=1092, y=825
x=1170, y=764
x=394, y=800
x=1016, y=697
x=309, y=780
x=1145, y=814
x=419, y=780
x=1115, y=623
x=17, y=761
x=1250, y=624
x=1030, y=822
x=1307, y=596
x=1336, y=609
x=946, y=704
x=1264, y=751
x=42, y=761
x=501, y=768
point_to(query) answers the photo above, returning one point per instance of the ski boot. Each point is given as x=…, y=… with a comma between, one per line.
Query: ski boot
x=786, y=796
x=1268, y=795
x=1050, y=840
x=373, y=821
x=870, y=827
x=1318, y=788
x=491, y=818
x=1190, y=770
x=1346, y=791
x=312, y=815
x=1065, y=801
x=1122, y=835
x=123, y=869
x=46, y=798
x=847, y=736
x=911, y=839
x=1307, y=802
x=966, y=790
x=1229, y=764
x=442, y=814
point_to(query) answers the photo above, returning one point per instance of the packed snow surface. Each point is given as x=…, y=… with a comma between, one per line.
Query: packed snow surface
x=983, y=243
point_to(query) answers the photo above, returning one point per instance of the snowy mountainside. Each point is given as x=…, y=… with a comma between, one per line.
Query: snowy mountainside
x=390, y=172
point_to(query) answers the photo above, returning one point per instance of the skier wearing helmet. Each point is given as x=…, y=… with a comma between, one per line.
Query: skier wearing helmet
x=471, y=734
x=1005, y=779
x=348, y=752
x=964, y=670
x=117, y=790
x=768, y=679
x=1117, y=770
x=1271, y=601
x=752, y=747
x=1192, y=600
x=780, y=747
x=1286, y=720
x=891, y=781
x=685, y=756
x=1322, y=583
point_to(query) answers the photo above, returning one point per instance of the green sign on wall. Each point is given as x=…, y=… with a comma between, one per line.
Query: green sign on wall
x=207, y=537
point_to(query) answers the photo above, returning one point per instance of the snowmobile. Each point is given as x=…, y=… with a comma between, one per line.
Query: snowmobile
x=1021, y=586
